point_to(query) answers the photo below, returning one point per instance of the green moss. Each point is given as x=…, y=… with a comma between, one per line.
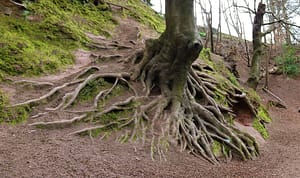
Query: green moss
x=232, y=79
x=263, y=114
x=72, y=18
x=142, y=13
x=111, y=121
x=261, y=118
x=227, y=82
x=260, y=128
x=221, y=98
x=253, y=97
x=113, y=116
x=12, y=115
x=217, y=148
x=45, y=44
x=205, y=55
x=26, y=51
x=118, y=90
x=146, y=15
x=91, y=89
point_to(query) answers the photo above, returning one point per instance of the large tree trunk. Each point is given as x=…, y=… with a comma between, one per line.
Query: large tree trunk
x=188, y=102
x=173, y=53
x=257, y=47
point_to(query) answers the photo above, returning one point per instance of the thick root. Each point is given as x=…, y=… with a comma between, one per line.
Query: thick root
x=194, y=120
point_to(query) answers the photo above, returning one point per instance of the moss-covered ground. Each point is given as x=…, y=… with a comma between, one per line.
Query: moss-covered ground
x=226, y=80
x=43, y=38
x=12, y=115
x=142, y=13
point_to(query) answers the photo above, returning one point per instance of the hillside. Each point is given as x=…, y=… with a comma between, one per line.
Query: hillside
x=68, y=50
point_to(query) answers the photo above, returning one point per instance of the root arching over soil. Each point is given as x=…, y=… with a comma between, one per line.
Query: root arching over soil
x=196, y=123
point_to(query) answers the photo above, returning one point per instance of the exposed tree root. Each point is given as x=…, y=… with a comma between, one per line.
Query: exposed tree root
x=59, y=123
x=194, y=120
x=34, y=83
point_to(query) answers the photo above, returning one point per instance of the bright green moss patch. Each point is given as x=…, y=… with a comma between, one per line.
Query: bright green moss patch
x=232, y=78
x=73, y=18
x=261, y=118
x=263, y=114
x=45, y=43
x=92, y=88
x=25, y=50
x=217, y=148
x=12, y=115
x=206, y=56
x=142, y=13
x=260, y=128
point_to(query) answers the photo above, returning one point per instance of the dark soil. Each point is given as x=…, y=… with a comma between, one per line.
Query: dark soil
x=30, y=152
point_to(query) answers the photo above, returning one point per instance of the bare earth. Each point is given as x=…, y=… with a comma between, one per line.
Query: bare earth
x=30, y=152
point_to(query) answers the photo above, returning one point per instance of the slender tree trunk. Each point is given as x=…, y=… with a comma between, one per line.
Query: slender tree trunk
x=286, y=26
x=219, y=39
x=257, y=47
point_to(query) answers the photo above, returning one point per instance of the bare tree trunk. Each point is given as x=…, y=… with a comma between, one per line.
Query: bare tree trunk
x=257, y=47
x=286, y=26
x=219, y=39
x=227, y=23
x=209, y=34
x=168, y=59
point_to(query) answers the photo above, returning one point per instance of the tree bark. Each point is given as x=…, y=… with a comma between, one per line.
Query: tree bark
x=168, y=59
x=186, y=105
x=257, y=47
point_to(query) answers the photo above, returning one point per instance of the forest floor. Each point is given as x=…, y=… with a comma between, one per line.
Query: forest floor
x=26, y=151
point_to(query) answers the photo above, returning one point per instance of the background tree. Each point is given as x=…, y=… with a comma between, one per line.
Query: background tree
x=208, y=19
x=257, y=46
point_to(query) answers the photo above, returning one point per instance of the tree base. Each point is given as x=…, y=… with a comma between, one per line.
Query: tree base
x=192, y=118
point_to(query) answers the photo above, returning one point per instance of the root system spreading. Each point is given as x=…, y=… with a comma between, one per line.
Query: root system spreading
x=160, y=111
x=195, y=123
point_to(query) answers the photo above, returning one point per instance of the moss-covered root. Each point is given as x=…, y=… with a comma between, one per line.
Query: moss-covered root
x=196, y=120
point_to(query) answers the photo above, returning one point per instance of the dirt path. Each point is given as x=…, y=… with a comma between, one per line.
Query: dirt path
x=29, y=152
